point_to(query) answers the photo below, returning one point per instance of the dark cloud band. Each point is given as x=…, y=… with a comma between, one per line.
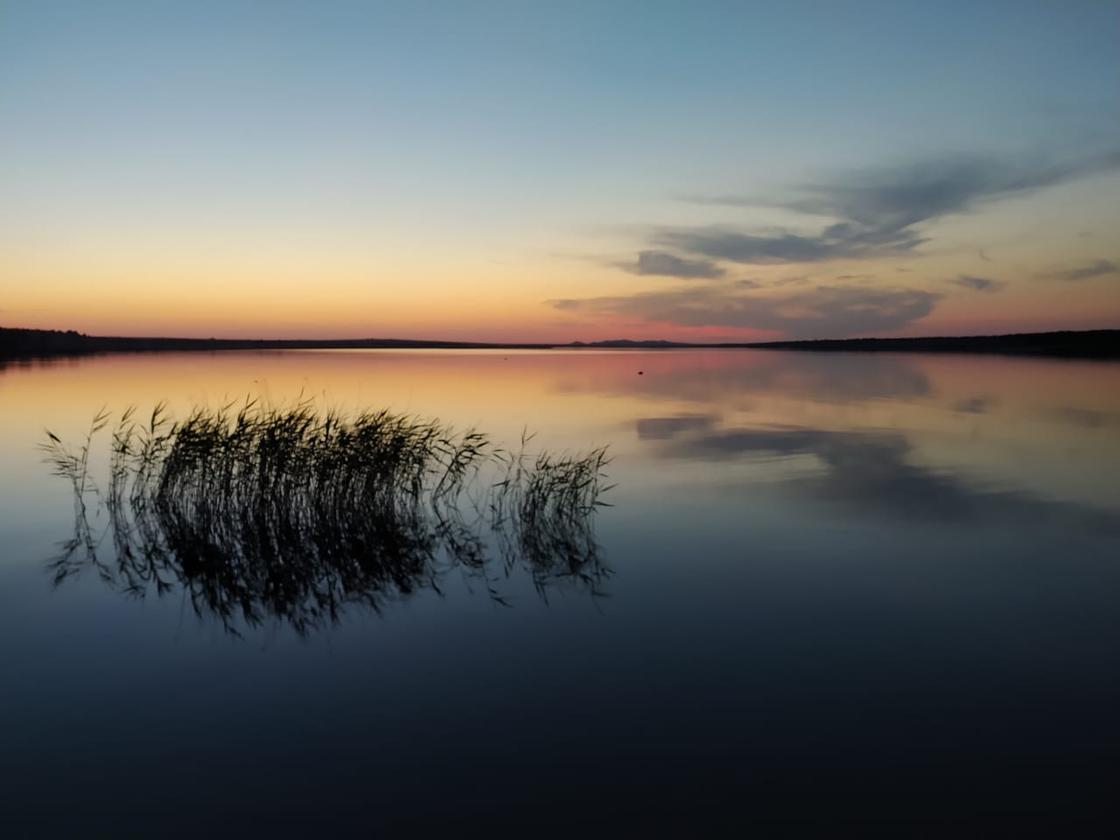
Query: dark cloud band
x=1100, y=268
x=664, y=264
x=823, y=312
x=978, y=284
x=878, y=211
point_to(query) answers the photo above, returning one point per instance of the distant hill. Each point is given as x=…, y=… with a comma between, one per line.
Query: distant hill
x=24, y=342
x=1083, y=344
x=1098, y=344
x=622, y=343
x=1095, y=344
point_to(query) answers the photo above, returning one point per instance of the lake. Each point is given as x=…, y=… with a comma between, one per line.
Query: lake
x=866, y=587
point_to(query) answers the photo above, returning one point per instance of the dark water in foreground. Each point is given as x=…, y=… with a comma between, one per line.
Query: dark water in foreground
x=858, y=587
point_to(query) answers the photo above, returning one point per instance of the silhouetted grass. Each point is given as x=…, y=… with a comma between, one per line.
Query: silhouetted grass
x=295, y=512
x=543, y=511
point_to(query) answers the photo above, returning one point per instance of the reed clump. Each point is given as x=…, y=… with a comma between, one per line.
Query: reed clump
x=295, y=512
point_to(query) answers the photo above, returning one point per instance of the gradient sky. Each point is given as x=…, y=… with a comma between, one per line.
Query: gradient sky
x=559, y=171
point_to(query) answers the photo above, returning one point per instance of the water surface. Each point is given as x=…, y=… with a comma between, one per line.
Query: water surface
x=842, y=586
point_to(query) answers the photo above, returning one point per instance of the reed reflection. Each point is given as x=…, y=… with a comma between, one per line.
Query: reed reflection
x=296, y=514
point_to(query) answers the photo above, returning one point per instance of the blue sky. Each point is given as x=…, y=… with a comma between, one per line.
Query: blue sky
x=466, y=167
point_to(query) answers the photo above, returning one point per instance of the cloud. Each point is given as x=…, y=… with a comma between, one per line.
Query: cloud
x=842, y=240
x=571, y=304
x=979, y=284
x=823, y=312
x=664, y=264
x=1100, y=268
x=878, y=211
x=872, y=212
x=894, y=198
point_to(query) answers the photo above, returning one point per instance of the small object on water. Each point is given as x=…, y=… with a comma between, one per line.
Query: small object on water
x=641, y=373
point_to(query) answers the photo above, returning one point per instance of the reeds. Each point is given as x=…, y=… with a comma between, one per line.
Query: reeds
x=294, y=513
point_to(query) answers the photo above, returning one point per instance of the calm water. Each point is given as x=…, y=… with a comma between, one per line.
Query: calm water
x=843, y=587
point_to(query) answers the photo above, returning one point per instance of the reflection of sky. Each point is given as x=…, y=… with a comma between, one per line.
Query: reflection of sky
x=836, y=579
x=1003, y=426
x=872, y=474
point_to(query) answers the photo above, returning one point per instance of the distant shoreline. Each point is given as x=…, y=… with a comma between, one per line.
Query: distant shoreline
x=1083, y=344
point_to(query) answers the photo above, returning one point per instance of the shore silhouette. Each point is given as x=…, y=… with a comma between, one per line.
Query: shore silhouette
x=1084, y=344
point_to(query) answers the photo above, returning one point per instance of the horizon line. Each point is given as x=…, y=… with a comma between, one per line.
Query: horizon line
x=1098, y=343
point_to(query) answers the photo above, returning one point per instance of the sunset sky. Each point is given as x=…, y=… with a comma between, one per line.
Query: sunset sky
x=559, y=171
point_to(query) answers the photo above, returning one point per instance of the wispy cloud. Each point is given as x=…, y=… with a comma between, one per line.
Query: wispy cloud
x=869, y=213
x=1100, y=268
x=823, y=312
x=979, y=284
x=878, y=211
x=842, y=240
x=664, y=264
